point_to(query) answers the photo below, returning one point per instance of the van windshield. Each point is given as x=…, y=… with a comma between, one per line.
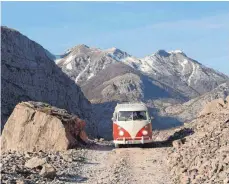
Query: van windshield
x=132, y=115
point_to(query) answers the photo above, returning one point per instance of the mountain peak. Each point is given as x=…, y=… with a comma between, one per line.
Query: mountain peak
x=114, y=50
x=82, y=46
x=162, y=53
x=77, y=47
x=117, y=53
x=177, y=52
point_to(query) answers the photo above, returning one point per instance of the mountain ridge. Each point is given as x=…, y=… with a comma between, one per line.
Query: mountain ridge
x=192, y=78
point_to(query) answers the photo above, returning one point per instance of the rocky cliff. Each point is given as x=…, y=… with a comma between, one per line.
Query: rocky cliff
x=28, y=73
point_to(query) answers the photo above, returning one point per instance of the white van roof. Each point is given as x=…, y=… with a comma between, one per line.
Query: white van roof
x=131, y=107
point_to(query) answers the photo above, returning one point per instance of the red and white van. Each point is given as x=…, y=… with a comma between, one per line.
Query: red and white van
x=131, y=124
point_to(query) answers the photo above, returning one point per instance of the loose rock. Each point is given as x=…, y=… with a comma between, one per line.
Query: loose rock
x=48, y=171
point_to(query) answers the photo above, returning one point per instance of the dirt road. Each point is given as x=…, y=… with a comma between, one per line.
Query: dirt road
x=126, y=165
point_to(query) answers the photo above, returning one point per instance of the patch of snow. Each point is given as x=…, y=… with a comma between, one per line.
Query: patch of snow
x=57, y=61
x=69, y=59
x=176, y=51
x=185, y=61
x=81, y=73
x=192, y=74
x=69, y=66
x=148, y=64
x=91, y=75
x=110, y=50
x=183, y=64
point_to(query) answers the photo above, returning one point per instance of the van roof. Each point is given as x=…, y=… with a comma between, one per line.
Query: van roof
x=131, y=107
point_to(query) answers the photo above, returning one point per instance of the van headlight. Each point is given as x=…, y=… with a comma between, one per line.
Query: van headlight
x=145, y=132
x=121, y=133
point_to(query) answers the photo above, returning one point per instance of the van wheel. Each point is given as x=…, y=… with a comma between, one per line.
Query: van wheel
x=117, y=146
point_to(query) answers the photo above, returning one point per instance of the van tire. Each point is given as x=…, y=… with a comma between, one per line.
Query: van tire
x=117, y=146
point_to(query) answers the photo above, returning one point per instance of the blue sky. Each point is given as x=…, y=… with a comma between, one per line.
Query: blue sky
x=200, y=29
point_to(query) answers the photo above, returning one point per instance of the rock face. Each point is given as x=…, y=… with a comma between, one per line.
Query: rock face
x=34, y=126
x=28, y=73
x=204, y=156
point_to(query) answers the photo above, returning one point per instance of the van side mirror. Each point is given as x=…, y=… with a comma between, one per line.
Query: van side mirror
x=113, y=119
x=151, y=117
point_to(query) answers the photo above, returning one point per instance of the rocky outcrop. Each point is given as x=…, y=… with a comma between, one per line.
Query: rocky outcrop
x=28, y=73
x=203, y=157
x=35, y=126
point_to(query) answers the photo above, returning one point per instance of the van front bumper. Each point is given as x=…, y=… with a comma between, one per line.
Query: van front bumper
x=137, y=140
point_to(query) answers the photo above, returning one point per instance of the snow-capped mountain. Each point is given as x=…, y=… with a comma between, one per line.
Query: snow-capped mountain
x=173, y=68
x=181, y=72
x=82, y=62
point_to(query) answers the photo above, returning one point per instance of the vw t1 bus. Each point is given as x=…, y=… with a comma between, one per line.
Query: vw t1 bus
x=131, y=124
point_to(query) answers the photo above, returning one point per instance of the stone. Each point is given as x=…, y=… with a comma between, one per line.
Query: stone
x=22, y=181
x=35, y=126
x=177, y=144
x=67, y=157
x=35, y=162
x=101, y=139
x=48, y=171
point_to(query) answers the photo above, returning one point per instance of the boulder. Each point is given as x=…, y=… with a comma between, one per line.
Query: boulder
x=48, y=171
x=35, y=162
x=36, y=126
